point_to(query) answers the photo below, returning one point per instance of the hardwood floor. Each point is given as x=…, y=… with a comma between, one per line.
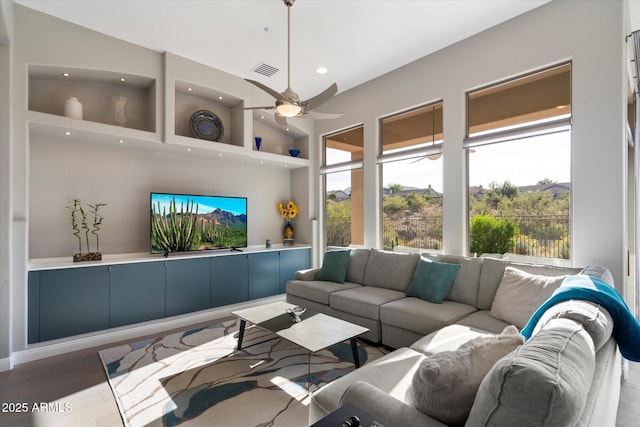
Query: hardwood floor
x=74, y=390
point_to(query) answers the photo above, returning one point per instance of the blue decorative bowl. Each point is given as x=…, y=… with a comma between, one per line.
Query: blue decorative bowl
x=294, y=152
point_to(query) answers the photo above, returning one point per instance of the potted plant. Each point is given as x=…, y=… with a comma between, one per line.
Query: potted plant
x=89, y=221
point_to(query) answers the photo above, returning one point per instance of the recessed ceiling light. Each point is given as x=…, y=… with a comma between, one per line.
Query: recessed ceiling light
x=219, y=154
x=286, y=165
x=262, y=117
x=189, y=89
x=321, y=70
x=66, y=74
x=121, y=141
x=220, y=97
x=67, y=133
x=261, y=162
x=287, y=129
x=122, y=79
x=189, y=149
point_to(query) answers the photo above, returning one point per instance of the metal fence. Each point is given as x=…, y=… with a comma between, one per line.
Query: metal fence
x=542, y=236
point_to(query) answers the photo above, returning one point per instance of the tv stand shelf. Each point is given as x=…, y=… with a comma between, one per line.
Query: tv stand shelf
x=67, y=298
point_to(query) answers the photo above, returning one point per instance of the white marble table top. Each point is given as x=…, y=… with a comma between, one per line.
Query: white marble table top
x=315, y=332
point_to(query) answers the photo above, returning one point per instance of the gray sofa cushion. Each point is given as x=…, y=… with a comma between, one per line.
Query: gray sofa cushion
x=449, y=338
x=543, y=383
x=392, y=373
x=482, y=320
x=493, y=270
x=318, y=291
x=594, y=319
x=364, y=301
x=445, y=385
x=422, y=316
x=390, y=270
x=465, y=285
x=357, y=265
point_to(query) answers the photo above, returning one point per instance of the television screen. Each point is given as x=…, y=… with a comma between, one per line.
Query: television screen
x=187, y=222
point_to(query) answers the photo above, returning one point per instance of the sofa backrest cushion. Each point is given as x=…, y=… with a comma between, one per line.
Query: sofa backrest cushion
x=390, y=270
x=543, y=383
x=357, y=265
x=493, y=270
x=595, y=319
x=465, y=286
x=334, y=265
x=520, y=294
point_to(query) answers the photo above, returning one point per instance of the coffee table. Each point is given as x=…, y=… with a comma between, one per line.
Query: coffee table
x=314, y=332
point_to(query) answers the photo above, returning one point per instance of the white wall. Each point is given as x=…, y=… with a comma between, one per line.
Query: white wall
x=588, y=33
x=123, y=178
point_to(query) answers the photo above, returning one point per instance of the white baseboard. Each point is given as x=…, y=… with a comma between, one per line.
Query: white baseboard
x=80, y=342
x=5, y=364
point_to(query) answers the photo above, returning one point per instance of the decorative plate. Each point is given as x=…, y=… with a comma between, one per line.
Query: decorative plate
x=206, y=125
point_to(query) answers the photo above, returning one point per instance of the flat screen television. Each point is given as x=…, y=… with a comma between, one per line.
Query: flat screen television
x=189, y=222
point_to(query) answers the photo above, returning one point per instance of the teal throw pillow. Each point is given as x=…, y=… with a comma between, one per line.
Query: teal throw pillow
x=432, y=280
x=334, y=266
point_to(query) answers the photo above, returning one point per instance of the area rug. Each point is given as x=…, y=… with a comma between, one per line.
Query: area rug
x=198, y=377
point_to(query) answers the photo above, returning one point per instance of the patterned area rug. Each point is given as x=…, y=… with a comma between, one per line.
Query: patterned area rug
x=198, y=378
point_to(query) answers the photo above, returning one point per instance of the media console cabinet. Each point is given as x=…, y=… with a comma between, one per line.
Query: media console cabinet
x=66, y=298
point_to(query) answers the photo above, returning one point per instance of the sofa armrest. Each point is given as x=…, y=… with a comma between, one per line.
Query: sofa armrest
x=307, y=275
x=389, y=409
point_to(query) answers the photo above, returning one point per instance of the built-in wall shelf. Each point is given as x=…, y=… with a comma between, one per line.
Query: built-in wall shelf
x=51, y=86
x=188, y=87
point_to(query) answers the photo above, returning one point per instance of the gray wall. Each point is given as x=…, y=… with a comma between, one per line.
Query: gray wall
x=588, y=33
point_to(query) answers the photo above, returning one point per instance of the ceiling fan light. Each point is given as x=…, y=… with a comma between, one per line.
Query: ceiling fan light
x=435, y=156
x=288, y=110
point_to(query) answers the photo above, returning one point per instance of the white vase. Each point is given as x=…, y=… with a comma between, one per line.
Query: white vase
x=73, y=108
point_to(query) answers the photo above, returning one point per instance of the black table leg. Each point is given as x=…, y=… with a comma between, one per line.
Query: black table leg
x=354, y=350
x=243, y=323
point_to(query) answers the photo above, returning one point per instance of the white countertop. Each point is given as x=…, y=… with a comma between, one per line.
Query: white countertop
x=129, y=258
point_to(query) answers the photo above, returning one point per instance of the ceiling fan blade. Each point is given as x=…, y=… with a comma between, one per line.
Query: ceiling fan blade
x=323, y=97
x=281, y=120
x=315, y=115
x=270, y=91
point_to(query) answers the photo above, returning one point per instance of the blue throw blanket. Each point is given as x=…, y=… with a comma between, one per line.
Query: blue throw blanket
x=626, y=329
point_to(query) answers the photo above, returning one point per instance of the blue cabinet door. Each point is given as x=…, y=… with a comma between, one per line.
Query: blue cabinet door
x=229, y=279
x=136, y=293
x=290, y=262
x=264, y=274
x=188, y=285
x=33, y=307
x=73, y=301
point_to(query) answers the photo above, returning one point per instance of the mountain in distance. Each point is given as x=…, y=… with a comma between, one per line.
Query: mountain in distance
x=222, y=217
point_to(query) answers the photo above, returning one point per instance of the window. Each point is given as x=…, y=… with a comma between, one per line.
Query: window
x=519, y=156
x=343, y=187
x=411, y=168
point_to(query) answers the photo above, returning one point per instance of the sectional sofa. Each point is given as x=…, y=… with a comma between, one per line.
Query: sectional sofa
x=572, y=349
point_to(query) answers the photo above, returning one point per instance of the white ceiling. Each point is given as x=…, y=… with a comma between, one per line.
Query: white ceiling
x=356, y=40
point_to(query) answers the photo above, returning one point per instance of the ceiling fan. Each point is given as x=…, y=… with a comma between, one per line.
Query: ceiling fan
x=288, y=103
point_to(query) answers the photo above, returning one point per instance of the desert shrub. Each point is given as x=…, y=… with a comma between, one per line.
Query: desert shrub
x=491, y=235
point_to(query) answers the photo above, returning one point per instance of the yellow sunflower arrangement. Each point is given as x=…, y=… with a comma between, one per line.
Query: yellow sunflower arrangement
x=289, y=211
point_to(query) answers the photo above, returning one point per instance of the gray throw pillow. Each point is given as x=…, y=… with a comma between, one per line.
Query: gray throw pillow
x=334, y=266
x=445, y=384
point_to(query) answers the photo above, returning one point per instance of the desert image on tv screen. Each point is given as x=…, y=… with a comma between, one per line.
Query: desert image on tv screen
x=182, y=223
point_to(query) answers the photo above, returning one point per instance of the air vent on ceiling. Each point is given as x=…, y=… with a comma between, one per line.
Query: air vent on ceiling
x=265, y=69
